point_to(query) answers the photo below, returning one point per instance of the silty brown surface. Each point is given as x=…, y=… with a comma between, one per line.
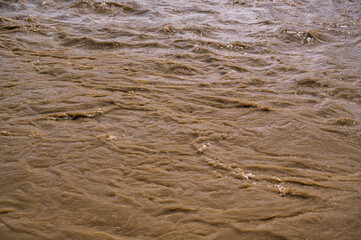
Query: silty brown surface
x=180, y=119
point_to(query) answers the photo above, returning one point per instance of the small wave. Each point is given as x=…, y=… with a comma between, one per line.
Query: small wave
x=169, y=67
x=91, y=43
x=304, y=37
x=108, y=7
x=87, y=42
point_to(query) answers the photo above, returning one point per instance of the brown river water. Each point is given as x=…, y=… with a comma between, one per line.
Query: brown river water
x=194, y=119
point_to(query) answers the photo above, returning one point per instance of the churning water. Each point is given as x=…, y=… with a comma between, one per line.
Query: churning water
x=180, y=120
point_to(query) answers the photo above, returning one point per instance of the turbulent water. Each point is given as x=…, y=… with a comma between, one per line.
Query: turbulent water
x=194, y=119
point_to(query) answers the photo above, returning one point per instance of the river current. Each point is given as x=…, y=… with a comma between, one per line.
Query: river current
x=177, y=120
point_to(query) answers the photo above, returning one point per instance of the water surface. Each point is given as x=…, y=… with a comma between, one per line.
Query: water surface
x=196, y=119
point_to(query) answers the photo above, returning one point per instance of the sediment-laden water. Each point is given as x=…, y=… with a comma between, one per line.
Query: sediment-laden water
x=177, y=120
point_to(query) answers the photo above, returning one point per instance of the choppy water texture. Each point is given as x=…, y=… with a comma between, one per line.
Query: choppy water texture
x=192, y=119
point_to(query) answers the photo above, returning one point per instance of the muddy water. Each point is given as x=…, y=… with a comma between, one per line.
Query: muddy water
x=180, y=119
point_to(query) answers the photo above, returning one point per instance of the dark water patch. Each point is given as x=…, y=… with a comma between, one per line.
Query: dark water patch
x=312, y=82
x=74, y=115
x=184, y=44
x=71, y=116
x=236, y=68
x=13, y=5
x=238, y=2
x=352, y=94
x=346, y=122
x=165, y=67
x=304, y=37
x=91, y=43
x=12, y=45
x=176, y=210
x=10, y=27
x=175, y=68
x=109, y=7
x=24, y=24
x=224, y=102
x=52, y=71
